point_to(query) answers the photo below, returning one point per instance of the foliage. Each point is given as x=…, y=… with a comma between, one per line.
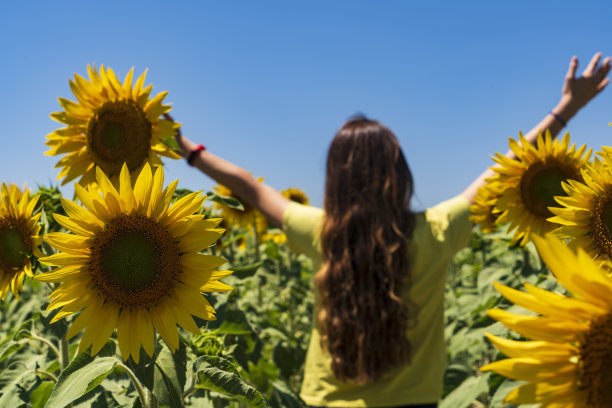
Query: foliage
x=253, y=355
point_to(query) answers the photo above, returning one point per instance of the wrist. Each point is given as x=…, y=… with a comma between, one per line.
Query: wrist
x=194, y=153
x=566, y=108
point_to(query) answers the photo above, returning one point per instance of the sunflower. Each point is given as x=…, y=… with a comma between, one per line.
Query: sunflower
x=133, y=263
x=569, y=361
x=18, y=237
x=276, y=236
x=483, y=210
x=110, y=124
x=246, y=218
x=530, y=183
x=586, y=215
x=297, y=195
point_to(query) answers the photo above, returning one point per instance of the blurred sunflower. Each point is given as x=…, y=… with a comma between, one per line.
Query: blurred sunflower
x=275, y=235
x=586, y=215
x=568, y=362
x=18, y=237
x=483, y=210
x=133, y=263
x=249, y=217
x=110, y=124
x=297, y=195
x=531, y=183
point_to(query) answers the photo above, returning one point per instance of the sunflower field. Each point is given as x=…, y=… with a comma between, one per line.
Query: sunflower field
x=137, y=292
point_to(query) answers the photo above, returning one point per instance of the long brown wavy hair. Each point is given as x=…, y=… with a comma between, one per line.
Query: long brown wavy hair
x=368, y=223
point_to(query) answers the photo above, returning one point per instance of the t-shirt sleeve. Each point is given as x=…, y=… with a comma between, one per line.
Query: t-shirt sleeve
x=450, y=222
x=302, y=225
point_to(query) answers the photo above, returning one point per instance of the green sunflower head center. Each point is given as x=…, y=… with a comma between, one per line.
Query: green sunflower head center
x=596, y=363
x=119, y=132
x=14, y=243
x=542, y=182
x=135, y=262
x=601, y=223
x=113, y=135
x=130, y=261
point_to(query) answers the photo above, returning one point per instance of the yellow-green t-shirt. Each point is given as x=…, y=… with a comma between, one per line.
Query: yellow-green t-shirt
x=439, y=233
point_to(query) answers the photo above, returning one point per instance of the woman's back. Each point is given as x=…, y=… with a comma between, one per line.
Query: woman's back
x=438, y=234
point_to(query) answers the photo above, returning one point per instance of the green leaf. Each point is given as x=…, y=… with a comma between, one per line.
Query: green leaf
x=15, y=393
x=39, y=397
x=171, y=143
x=285, y=396
x=272, y=250
x=82, y=375
x=246, y=270
x=235, y=322
x=225, y=200
x=221, y=375
x=164, y=374
x=9, y=348
x=462, y=396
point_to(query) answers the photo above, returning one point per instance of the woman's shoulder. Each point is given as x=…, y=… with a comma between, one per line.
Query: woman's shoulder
x=302, y=224
x=446, y=221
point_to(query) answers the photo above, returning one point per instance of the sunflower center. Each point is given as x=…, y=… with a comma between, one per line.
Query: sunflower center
x=298, y=198
x=541, y=183
x=135, y=262
x=596, y=363
x=601, y=223
x=119, y=132
x=113, y=135
x=15, y=243
x=130, y=262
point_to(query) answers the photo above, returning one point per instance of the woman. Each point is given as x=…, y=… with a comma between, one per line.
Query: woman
x=378, y=339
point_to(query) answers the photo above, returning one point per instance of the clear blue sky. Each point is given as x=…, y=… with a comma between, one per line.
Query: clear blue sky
x=267, y=84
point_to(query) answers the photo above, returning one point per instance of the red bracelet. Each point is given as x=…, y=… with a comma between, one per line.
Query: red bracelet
x=193, y=153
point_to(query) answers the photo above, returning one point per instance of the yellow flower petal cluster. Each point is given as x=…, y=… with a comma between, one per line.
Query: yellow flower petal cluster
x=235, y=218
x=278, y=237
x=568, y=363
x=530, y=184
x=19, y=237
x=483, y=211
x=132, y=262
x=297, y=195
x=586, y=215
x=110, y=124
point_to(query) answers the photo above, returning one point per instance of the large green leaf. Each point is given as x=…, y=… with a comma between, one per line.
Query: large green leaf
x=39, y=397
x=468, y=391
x=164, y=373
x=82, y=375
x=221, y=375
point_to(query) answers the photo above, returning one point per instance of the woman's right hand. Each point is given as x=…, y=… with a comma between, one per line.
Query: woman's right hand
x=577, y=92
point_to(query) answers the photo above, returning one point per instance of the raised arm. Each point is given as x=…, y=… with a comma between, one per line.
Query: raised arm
x=576, y=93
x=269, y=201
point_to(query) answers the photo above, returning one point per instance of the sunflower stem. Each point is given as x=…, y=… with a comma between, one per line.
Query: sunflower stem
x=151, y=400
x=64, y=358
x=137, y=384
x=36, y=337
x=47, y=374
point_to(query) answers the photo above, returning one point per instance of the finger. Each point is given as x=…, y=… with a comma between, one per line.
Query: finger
x=603, y=84
x=573, y=66
x=590, y=69
x=602, y=72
